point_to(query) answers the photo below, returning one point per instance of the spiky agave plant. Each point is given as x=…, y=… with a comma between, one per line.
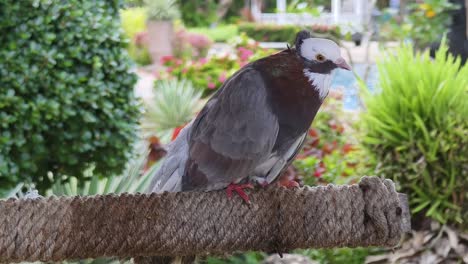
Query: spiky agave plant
x=174, y=104
x=417, y=127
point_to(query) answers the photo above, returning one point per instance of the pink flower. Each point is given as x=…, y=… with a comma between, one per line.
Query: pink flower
x=166, y=59
x=199, y=41
x=141, y=39
x=211, y=85
x=244, y=54
x=222, y=77
x=203, y=60
x=178, y=62
x=318, y=172
x=184, y=70
x=169, y=69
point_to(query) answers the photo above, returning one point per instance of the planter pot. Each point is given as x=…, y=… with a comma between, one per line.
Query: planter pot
x=160, y=37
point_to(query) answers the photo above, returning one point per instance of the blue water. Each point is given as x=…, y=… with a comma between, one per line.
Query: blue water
x=347, y=82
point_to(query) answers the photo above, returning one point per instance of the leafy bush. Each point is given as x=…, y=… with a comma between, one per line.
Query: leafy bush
x=286, y=33
x=198, y=13
x=220, y=33
x=134, y=26
x=417, y=127
x=426, y=22
x=67, y=98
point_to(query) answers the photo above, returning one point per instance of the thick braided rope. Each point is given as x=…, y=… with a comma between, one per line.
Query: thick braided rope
x=200, y=223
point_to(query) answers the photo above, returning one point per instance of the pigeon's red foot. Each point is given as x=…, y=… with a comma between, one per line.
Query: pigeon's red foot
x=289, y=184
x=239, y=189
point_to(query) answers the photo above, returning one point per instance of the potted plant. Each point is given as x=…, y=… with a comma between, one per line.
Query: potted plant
x=160, y=15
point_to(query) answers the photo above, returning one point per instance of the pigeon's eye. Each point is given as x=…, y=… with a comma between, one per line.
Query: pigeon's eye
x=320, y=57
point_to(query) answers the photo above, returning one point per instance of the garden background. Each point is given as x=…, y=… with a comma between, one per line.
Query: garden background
x=92, y=91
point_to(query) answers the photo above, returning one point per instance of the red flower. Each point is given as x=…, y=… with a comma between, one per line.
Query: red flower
x=348, y=148
x=166, y=59
x=176, y=132
x=315, y=142
x=328, y=148
x=319, y=172
x=313, y=133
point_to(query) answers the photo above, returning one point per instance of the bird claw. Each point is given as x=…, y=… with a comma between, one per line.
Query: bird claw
x=239, y=189
x=290, y=184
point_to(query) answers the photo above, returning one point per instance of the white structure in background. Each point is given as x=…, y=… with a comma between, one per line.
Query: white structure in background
x=350, y=15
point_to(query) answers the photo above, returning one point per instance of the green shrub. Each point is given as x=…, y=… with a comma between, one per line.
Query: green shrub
x=198, y=13
x=66, y=100
x=417, y=127
x=134, y=23
x=220, y=33
x=286, y=33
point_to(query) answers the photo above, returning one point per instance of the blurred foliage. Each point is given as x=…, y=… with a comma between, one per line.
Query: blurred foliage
x=426, y=23
x=299, y=6
x=161, y=10
x=134, y=179
x=208, y=74
x=133, y=21
x=331, y=153
x=246, y=258
x=67, y=99
x=174, y=104
x=220, y=33
x=233, y=15
x=134, y=3
x=134, y=26
x=286, y=33
x=189, y=45
x=339, y=255
x=198, y=13
x=417, y=127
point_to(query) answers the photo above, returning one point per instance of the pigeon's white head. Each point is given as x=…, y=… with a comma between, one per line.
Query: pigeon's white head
x=320, y=57
x=320, y=51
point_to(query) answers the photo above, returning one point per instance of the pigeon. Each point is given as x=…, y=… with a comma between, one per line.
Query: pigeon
x=251, y=129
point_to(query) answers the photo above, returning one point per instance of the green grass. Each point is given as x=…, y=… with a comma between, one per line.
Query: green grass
x=221, y=33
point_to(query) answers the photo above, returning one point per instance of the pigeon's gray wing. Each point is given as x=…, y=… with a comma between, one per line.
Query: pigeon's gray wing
x=234, y=133
x=268, y=171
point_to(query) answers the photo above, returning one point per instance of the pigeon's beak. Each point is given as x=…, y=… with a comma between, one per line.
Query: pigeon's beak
x=341, y=63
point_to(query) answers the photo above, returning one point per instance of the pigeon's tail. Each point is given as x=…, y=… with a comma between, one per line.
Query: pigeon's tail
x=169, y=176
